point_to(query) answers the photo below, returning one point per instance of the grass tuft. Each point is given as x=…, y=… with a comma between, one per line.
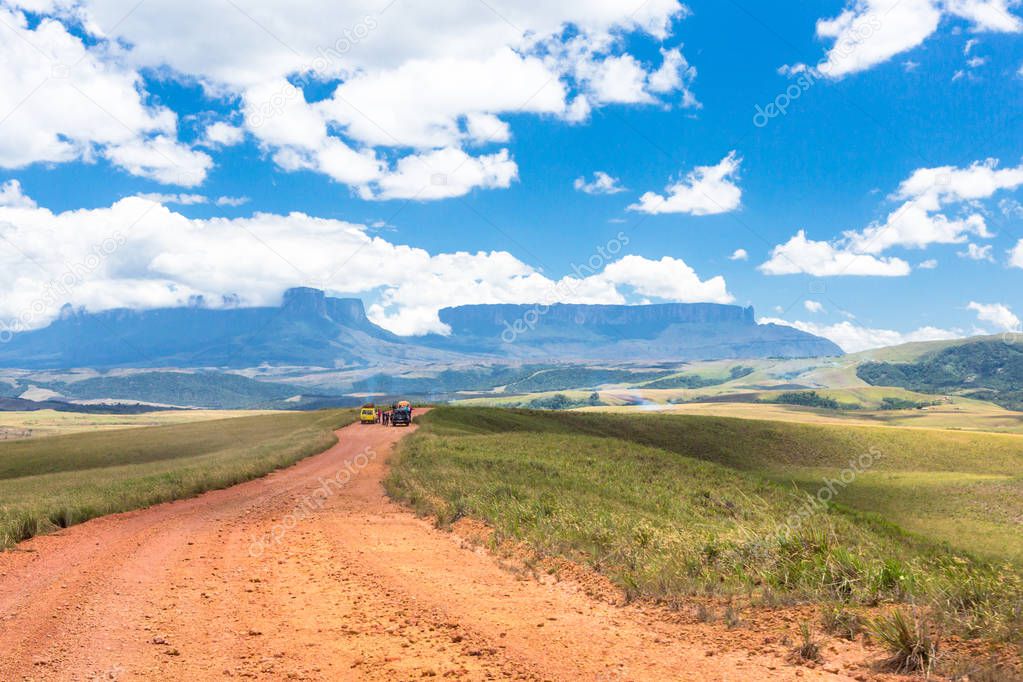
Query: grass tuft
x=839, y=621
x=908, y=639
x=808, y=648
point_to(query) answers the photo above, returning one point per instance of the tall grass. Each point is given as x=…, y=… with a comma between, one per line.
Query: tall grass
x=908, y=639
x=663, y=523
x=55, y=482
x=962, y=488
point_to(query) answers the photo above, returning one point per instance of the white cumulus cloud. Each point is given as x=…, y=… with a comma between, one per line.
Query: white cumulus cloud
x=978, y=253
x=601, y=183
x=998, y=314
x=64, y=100
x=161, y=159
x=706, y=190
x=921, y=219
x=987, y=15
x=443, y=174
x=674, y=75
x=824, y=259
x=936, y=187
x=180, y=199
x=139, y=253
x=913, y=226
x=1016, y=255
x=425, y=103
x=917, y=222
x=221, y=134
x=394, y=81
x=11, y=196
x=870, y=32
x=668, y=278
x=853, y=338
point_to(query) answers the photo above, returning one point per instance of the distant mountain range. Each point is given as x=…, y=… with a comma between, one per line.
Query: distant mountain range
x=308, y=329
x=619, y=333
x=311, y=329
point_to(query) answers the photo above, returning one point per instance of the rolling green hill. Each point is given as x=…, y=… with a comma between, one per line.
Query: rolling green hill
x=210, y=390
x=908, y=352
x=972, y=384
x=987, y=370
x=202, y=389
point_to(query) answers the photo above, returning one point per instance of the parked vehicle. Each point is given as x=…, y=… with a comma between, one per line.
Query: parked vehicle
x=401, y=415
x=368, y=414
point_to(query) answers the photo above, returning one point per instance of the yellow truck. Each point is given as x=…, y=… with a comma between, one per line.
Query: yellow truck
x=368, y=414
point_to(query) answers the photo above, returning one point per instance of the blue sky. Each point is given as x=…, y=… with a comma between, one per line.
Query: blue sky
x=647, y=95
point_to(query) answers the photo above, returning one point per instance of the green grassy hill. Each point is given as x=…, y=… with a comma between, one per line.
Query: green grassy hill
x=972, y=384
x=57, y=481
x=213, y=390
x=989, y=370
x=909, y=352
x=676, y=505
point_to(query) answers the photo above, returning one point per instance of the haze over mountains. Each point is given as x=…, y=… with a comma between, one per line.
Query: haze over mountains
x=313, y=330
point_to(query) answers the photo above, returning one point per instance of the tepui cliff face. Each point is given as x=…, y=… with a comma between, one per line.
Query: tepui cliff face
x=312, y=329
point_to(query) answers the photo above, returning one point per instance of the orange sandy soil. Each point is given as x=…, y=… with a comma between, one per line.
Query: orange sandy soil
x=284, y=578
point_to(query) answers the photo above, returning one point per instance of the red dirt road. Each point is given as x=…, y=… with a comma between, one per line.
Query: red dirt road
x=289, y=577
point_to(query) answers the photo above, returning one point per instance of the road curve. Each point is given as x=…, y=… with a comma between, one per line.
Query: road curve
x=311, y=573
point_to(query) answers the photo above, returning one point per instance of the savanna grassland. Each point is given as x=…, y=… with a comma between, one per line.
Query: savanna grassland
x=668, y=506
x=57, y=481
x=39, y=423
x=960, y=415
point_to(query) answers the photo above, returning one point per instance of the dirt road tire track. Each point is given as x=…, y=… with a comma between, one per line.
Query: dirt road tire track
x=354, y=588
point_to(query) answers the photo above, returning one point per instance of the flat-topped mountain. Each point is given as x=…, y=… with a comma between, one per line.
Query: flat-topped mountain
x=314, y=330
x=476, y=318
x=667, y=331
